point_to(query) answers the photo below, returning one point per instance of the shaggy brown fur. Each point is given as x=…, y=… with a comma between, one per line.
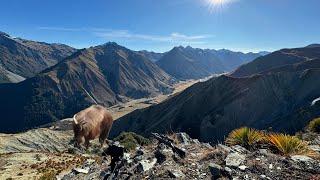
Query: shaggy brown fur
x=90, y=123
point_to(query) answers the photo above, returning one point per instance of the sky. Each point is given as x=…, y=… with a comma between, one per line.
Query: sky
x=158, y=25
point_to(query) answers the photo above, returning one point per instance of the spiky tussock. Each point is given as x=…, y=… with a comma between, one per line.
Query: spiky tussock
x=245, y=136
x=314, y=125
x=288, y=145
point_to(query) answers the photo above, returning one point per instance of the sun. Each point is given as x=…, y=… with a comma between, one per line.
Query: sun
x=217, y=5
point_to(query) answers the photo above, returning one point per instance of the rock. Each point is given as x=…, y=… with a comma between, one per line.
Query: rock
x=224, y=148
x=227, y=169
x=160, y=156
x=196, y=141
x=80, y=170
x=215, y=170
x=161, y=146
x=162, y=153
x=301, y=158
x=139, y=151
x=263, y=176
x=126, y=157
x=184, y=138
x=90, y=161
x=243, y=167
x=234, y=159
x=239, y=149
x=114, y=150
x=263, y=151
x=145, y=165
x=176, y=174
x=315, y=148
x=270, y=166
x=207, y=145
x=138, y=158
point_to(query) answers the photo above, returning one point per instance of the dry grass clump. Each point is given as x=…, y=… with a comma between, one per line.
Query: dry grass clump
x=282, y=143
x=55, y=165
x=174, y=137
x=50, y=175
x=288, y=145
x=246, y=137
x=314, y=125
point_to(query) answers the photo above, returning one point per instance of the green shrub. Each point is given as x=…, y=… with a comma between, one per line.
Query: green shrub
x=245, y=137
x=314, y=125
x=131, y=140
x=288, y=145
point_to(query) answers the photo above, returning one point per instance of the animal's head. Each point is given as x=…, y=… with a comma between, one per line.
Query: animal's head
x=77, y=129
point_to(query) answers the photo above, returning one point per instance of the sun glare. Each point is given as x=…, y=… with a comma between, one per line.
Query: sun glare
x=217, y=5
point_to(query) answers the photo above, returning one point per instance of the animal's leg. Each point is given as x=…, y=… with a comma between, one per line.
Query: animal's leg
x=103, y=137
x=101, y=140
x=87, y=143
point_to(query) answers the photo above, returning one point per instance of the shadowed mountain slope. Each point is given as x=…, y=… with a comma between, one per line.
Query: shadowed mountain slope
x=276, y=59
x=25, y=58
x=108, y=74
x=211, y=109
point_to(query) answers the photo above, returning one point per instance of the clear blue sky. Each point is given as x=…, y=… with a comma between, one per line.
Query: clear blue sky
x=245, y=25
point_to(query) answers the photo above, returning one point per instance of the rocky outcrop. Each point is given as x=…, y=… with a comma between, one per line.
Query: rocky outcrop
x=201, y=162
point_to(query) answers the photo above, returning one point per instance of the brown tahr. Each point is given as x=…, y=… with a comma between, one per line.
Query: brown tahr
x=91, y=123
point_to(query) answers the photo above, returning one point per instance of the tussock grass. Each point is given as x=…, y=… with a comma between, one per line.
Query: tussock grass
x=314, y=125
x=246, y=137
x=288, y=145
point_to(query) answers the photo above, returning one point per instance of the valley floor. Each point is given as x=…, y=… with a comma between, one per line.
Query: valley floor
x=122, y=109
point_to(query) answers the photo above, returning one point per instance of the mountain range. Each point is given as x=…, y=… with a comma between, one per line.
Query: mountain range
x=194, y=63
x=20, y=58
x=61, y=80
x=107, y=74
x=153, y=56
x=279, y=98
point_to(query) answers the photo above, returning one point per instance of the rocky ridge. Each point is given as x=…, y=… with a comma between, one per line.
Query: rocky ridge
x=49, y=154
x=198, y=161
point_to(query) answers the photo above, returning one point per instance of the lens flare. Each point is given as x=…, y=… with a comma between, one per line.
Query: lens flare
x=217, y=5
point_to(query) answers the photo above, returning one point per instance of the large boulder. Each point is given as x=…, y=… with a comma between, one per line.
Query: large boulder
x=235, y=159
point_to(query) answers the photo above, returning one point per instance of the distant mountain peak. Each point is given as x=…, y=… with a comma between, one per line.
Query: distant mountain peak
x=110, y=45
x=177, y=48
x=4, y=34
x=313, y=46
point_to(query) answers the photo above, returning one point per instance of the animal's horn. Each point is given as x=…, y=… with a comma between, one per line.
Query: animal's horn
x=74, y=119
